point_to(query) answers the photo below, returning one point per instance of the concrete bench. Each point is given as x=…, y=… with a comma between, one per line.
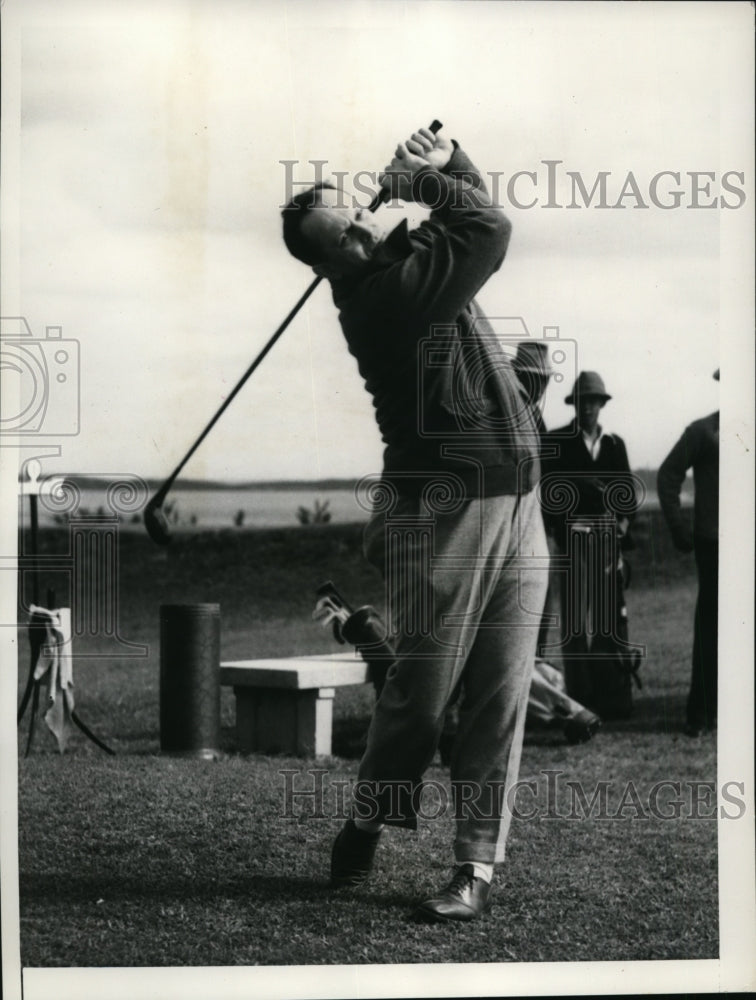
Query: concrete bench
x=286, y=705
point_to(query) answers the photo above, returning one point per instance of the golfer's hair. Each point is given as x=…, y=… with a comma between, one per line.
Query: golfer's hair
x=293, y=215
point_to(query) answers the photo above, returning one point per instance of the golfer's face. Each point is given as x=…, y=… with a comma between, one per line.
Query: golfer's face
x=348, y=236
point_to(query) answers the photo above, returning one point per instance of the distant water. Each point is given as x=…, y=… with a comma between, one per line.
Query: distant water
x=273, y=508
x=262, y=508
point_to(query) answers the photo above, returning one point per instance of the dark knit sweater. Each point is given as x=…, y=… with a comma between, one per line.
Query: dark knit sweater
x=698, y=448
x=446, y=398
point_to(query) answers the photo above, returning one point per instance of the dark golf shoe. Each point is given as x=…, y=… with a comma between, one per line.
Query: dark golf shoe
x=464, y=898
x=352, y=856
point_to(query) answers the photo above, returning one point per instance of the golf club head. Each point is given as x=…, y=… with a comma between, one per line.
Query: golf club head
x=156, y=523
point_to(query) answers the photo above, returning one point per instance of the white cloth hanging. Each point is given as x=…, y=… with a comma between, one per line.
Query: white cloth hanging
x=56, y=665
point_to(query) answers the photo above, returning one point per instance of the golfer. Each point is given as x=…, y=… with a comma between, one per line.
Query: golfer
x=459, y=538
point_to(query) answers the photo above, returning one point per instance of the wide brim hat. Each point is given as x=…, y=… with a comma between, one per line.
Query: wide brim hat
x=532, y=356
x=588, y=384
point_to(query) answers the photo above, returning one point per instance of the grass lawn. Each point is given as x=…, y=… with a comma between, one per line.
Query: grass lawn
x=141, y=859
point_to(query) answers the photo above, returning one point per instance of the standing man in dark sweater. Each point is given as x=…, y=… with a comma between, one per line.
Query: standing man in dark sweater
x=589, y=477
x=457, y=531
x=698, y=449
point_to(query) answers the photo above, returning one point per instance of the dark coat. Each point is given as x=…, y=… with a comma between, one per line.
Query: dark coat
x=602, y=486
x=698, y=448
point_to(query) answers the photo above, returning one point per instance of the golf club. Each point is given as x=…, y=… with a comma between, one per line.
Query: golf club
x=155, y=520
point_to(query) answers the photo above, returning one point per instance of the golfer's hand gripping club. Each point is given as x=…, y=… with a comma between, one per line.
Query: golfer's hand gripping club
x=423, y=149
x=155, y=520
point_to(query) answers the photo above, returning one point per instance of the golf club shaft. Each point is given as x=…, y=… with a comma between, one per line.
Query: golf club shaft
x=380, y=197
x=162, y=492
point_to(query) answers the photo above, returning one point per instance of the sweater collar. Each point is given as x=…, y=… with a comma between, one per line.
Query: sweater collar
x=395, y=247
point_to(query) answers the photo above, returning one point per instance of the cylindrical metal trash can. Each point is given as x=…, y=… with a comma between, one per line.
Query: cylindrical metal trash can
x=190, y=680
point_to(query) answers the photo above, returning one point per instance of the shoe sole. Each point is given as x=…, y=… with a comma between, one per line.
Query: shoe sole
x=433, y=917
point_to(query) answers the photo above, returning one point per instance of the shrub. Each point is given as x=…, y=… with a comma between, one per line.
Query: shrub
x=318, y=515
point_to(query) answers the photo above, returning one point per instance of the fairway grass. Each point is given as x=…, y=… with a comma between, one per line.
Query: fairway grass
x=148, y=860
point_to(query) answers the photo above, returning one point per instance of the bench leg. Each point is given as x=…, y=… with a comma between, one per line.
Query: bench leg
x=270, y=720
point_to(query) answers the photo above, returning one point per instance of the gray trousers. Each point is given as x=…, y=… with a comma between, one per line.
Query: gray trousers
x=465, y=591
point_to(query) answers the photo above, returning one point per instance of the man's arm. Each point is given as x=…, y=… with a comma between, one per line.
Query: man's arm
x=669, y=482
x=462, y=244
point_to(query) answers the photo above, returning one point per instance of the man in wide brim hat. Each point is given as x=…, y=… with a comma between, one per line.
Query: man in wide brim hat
x=591, y=465
x=588, y=384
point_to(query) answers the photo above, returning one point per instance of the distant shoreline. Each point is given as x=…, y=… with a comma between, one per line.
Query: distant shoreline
x=198, y=505
x=84, y=480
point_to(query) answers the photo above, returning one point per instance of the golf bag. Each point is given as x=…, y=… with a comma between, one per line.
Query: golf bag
x=600, y=664
x=364, y=628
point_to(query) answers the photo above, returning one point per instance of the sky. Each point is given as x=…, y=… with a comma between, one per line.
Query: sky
x=149, y=176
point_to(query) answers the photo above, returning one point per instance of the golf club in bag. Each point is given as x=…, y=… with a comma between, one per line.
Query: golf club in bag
x=155, y=520
x=364, y=629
